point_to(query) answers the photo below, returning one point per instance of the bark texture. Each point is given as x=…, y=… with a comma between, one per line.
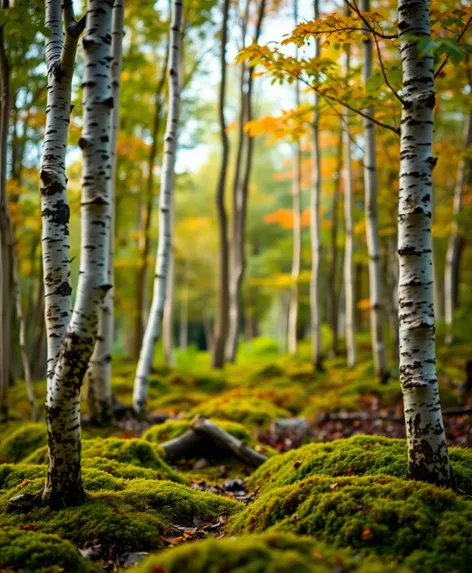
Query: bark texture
x=316, y=248
x=427, y=450
x=372, y=228
x=451, y=277
x=221, y=323
x=99, y=393
x=64, y=483
x=153, y=326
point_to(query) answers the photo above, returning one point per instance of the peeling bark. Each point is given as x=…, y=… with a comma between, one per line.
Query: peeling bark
x=99, y=393
x=64, y=483
x=153, y=326
x=428, y=458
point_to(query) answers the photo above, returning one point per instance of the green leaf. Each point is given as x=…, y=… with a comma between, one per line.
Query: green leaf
x=374, y=82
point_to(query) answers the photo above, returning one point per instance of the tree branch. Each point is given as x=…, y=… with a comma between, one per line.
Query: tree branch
x=384, y=74
x=459, y=38
x=355, y=7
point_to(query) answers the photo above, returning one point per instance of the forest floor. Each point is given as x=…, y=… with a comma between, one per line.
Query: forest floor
x=332, y=495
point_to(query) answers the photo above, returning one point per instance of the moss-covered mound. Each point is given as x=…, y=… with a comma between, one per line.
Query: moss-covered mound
x=129, y=515
x=118, y=457
x=174, y=428
x=23, y=551
x=357, y=456
x=249, y=411
x=426, y=527
x=18, y=444
x=271, y=553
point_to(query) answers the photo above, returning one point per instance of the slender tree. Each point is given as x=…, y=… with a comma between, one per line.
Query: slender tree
x=464, y=176
x=316, y=247
x=297, y=228
x=99, y=393
x=349, y=282
x=372, y=230
x=165, y=217
x=240, y=200
x=64, y=483
x=221, y=323
x=428, y=458
x=5, y=226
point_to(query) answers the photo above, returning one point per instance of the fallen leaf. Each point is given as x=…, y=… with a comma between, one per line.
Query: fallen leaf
x=297, y=464
x=29, y=526
x=333, y=485
x=367, y=534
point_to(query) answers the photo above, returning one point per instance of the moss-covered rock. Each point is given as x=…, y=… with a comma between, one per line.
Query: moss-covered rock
x=124, y=454
x=32, y=552
x=426, y=527
x=270, y=553
x=174, y=428
x=131, y=515
x=18, y=444
x=249, y=411
x=357, y=456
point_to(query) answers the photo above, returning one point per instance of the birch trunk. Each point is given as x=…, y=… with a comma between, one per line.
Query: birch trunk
x=99, y=393
x=64, y=483
x=428, y=458
x=168, y=319
x=221, y=326
x=316, y=247
x=241, y=191
x=349, y=282
x=372, y=230
x=454, y=245
x=5, y=246
x=297, y=231
x=333, y=292
x=165, y=218
x=183, y=326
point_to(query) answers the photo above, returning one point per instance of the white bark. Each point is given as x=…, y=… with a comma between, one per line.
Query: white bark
x=183, y=327
x=168, y=319
x=297, y=231
x=453, y=249
x=165, y=217
x=372, y=231
x=349, y=283
x=427, y=450
x=99, y=393
x=316, y=247
x=64, y=485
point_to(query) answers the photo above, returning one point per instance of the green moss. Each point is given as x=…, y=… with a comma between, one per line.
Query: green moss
x=427, y=527
x=18, y=444
x=174, y=428
x=32, y=552
x=121, y=456
x=246, y=410
x=130, y=515
x=271, y=553
x=357, y=455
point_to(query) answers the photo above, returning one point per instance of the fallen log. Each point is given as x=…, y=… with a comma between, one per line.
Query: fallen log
x=223, y=439
x=374, y=416
x=206, y=436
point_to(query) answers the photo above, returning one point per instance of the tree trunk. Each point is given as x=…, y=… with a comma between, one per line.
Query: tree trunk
x=153, y=326
x=183, y=322
x=5, y=234
x=145, y=240
x=333, y=293
x=221, y=326
x=241, y=191
x=454, y=245
x=64, y=482
x=316, y=247
x=168, y=320
x=297, y=231
x=349, y=283
x=428, y=458
x=372, y=230
x=392, y=283
x=99, y=393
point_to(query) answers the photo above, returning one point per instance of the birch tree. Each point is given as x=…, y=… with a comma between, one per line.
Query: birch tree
x=372, y=231
x=349, y=283
x=451, y=276
x=428, y=458
x=297, y=228
x=64, y=483
x=221, y=323
x=315, y=224
x=99, y=393
x=165, y=217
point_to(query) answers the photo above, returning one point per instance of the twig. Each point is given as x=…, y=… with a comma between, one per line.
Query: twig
x=384, y=74
x=355, y=7
x=459, y=38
